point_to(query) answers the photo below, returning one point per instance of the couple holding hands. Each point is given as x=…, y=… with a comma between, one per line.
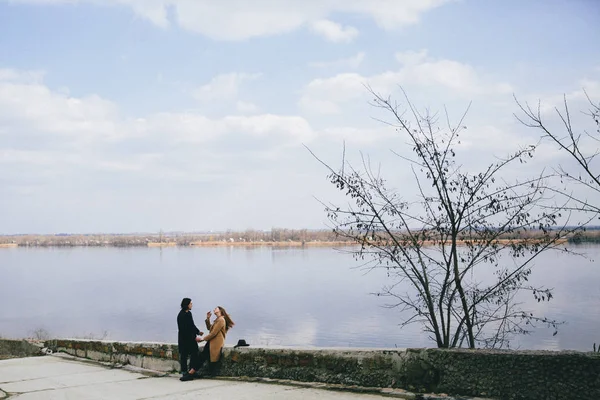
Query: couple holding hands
x=189, y=336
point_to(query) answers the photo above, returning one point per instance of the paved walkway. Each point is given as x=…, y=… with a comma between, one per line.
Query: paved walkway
x=60, y=377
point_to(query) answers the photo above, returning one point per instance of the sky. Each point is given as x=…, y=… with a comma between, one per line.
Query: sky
x=196, y=115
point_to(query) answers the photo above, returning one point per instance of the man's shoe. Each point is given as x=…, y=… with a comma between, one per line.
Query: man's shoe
x=186, y=377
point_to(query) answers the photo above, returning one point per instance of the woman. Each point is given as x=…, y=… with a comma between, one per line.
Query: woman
x=186, y=337
x=215, y=339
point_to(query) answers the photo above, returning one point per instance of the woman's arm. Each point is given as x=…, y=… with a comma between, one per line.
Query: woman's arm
x=215, y=329
x=207, y=320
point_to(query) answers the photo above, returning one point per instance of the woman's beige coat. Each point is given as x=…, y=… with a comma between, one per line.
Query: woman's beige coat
x=216, y=337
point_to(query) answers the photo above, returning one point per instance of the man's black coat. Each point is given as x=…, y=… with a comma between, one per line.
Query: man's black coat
x=187, y=331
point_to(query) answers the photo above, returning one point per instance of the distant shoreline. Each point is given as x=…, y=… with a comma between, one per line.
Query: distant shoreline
x=274, y=238
x=275, y=244
x=193, y=244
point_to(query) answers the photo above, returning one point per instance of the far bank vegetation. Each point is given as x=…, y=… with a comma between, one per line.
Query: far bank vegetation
x=273, y=237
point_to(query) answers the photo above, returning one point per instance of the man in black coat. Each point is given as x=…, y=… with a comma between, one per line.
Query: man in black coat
x=188, y=347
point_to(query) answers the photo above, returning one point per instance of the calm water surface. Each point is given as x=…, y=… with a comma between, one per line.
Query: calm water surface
x=276, y=296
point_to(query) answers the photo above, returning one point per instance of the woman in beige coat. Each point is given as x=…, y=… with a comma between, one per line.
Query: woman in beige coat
x=215, y=339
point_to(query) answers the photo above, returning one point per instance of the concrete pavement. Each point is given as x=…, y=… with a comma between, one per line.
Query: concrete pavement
x=65, y=377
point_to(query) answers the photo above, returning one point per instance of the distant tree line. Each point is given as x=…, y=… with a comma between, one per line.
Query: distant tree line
x=181, y=239
x=275, y=235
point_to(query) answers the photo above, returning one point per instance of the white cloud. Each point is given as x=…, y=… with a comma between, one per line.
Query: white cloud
x=7, y=74
x=44, y=164
x=577, y=99
x=391, y=14
x=245, y=107
x=502, y=141
x=417, y=70
x=316, y=105
x=12, y=156
x=42, y=128
x=153, y=10
x=591, y=87
x=223, y=87
x=29, y=105
x=268, y=124
x=350, y=62
x=324, y=95
x=411, y=57
x=334, y=32
x=359, y=136
x=240, y=19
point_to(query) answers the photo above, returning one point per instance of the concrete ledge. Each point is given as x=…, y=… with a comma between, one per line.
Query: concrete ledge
x=482, y=373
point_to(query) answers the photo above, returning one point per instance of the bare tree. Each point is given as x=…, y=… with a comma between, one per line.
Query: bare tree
x=460, y=253
x=41, y=334
x=583, y=147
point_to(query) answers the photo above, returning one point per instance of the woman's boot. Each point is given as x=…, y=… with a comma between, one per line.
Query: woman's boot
x=213, y=368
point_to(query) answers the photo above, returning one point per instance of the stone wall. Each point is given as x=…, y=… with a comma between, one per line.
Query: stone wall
x=18, y=348
x=162, y=357
x=497, y=374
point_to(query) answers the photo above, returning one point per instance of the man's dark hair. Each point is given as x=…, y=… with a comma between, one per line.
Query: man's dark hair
x=185, y=303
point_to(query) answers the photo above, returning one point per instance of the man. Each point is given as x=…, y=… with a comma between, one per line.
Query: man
x=187, y=332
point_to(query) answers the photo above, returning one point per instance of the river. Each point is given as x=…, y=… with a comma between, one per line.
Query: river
x=277, y=296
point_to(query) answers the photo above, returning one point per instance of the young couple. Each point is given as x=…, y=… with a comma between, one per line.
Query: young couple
x=189, y=336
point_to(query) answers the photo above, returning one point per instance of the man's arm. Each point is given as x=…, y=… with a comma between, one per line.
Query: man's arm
x=193, y=326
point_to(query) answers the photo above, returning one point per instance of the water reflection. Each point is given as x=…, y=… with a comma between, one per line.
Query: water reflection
x=277, y=296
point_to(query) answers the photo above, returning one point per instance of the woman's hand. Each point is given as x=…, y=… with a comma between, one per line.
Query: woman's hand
x=208, y=315
x=199, y=339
